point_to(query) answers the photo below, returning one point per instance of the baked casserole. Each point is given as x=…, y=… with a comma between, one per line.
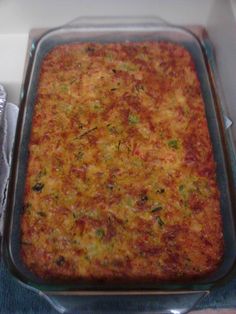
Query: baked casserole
x=121, y=180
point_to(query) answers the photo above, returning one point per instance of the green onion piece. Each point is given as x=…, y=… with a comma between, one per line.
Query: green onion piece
x=112, y=129
x=109, y=56
x=100, y=233
x=173, y=144
x=41, y=173
x=79, y=155
x=73, y=80
x=133, y=119
x=127, y=67
x=87, y=132
x=96, y=105
x=64, y=88
x=75, y=215
x=160, y=221
x=155, y=209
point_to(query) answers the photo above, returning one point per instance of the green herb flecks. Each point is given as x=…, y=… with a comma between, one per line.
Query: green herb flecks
x=133, y=119
x=128, y=67
x=68, y=108
x=129, y=201
x=75, y=215
x=96, y=105
x=87, y=132
x=160, y=221
x=79, y=155
x=128, y=147
x=109, y=56
x=156, y=208
x=100, y=233
x=55, y=196
x=136, y=162
x=41, y=173
x=186, y=204
x=173, y=144
x=73, y=81
x=184, y=194
x=75, y=242
x=64, y=88
x=112, y=129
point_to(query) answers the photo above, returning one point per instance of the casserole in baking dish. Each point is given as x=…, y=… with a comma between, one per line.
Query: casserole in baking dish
x=121, y=180
x=64, y=278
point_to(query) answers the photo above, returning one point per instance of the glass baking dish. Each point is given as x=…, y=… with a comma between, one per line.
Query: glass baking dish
x=105, y=31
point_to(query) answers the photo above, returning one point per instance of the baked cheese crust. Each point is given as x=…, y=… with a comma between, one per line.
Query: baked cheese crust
x=121, y=179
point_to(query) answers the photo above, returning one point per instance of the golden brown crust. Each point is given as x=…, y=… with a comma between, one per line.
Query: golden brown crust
x=121, y=177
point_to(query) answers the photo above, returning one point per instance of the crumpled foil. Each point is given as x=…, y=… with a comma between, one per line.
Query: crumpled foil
x=8, y=120
x=3, y=98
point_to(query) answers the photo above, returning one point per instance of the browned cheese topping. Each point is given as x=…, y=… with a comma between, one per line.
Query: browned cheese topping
x=121, y=179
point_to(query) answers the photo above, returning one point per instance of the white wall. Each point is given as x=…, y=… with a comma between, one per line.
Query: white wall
x=19, y=16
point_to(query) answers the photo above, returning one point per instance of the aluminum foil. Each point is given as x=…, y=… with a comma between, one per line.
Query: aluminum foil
x=9, y=116
x=3, y=97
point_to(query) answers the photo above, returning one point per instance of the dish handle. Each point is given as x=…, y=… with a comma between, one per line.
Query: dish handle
x=220, y=99
x=227, y=122
x=89, y=22
x=8, y=119
x=173, y=302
